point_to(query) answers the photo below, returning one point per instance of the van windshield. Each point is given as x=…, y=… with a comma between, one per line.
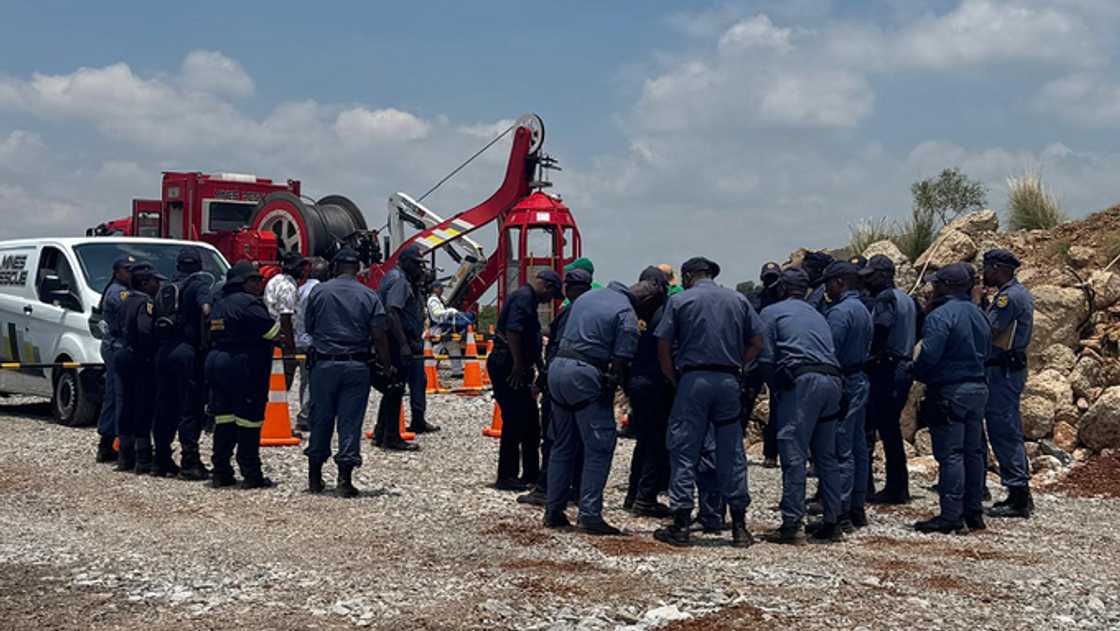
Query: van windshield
x=97, y=259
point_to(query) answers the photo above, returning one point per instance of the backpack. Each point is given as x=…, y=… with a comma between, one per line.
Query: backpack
x=167, y=312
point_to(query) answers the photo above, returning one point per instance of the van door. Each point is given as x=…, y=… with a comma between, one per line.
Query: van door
x=59, y=307
x=17, y=295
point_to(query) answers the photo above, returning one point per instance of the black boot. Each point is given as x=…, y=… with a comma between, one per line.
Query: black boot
x=126, y=461
x=1021, y=504
x=536, y=497
x=145, y=465
x=315, y=478
x=225, y=440
x=975, y=521
x=345, y=486
x=825, y=532
x=890, y=498
x=676, y=534
x=858, y=518
x=740, y=536
x=788, y=534
x=654, y=509
x=420, y=426
x=556, y=520
x=249, y=458
x=105, y=451
x=596, y=526
x=164, y=466
x=941, y=525
x=191, y=468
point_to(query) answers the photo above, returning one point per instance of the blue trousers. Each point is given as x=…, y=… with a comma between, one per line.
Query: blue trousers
x=340, y=391
x=581, y=415
x=712, y=507
x=1005, y=426
x=707, y=401
x=417, y=388
x=851, y=445
x=111, y=403
x=958, y=446
x=800, y=430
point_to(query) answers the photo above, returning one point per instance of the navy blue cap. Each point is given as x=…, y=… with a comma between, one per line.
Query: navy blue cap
x=1002, y=257
x=859, y=261
x=123, y=262
x=189, y=256
x=344, y=255
x=770, y=269
x=795, y=278
x=143, y=269
x=818, y=260
x=577, y=276
x=550, y=278
x=878, y=263
x=655, y=274
x=700, y=264
x=837, y=269
x=241, y=272
x=411, y=252
x=954, y=275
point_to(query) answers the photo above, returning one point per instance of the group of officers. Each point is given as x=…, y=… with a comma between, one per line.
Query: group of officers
x=832, y=341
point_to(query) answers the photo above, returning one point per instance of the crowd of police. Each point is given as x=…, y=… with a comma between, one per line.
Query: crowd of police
x=833, y=341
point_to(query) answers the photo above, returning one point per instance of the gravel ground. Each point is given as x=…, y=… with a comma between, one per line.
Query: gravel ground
x=430, y=546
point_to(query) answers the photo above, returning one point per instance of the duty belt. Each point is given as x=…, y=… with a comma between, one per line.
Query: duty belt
x=344, y=357
x=567, y=353
x=819, y=369
x=956, y=382
x=730, y=370
x=852, y=370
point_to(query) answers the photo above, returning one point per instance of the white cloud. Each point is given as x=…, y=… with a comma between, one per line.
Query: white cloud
x=212, y=72
x=1087, y=99
x=756, y=33
x=361, y=125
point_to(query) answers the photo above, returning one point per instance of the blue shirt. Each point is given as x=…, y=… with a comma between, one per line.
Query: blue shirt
x=1012, y=305
x=397, y=293
x=341, y=313
x=112, y=311
x=895, y=317
x=709, y=326
x=796, y=335
x=602, y=324
x=955, y=341
x=519, y=315
x=850, y=324
x=195, y=290
x=818, y=298
x=645, y=369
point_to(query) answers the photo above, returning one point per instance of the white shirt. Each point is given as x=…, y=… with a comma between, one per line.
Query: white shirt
x=303, y=340
x=280, y=295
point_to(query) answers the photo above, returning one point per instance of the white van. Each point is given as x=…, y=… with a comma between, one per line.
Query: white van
x=50, y=291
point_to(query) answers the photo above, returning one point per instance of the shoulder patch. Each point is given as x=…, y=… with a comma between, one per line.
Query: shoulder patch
x=124, y=295
x=1002, y=301
x=150, y=307
x=642, y=326
x=218, y=325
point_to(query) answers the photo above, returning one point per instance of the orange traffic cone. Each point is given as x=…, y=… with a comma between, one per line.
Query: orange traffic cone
x=482, y=362
x=472, y=370
x=431, y=371
x=495, y=429
x=277, y=428
x=405, y=434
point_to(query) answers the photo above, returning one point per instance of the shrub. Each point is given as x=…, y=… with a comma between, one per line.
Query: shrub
x=916, y=234
x=1029, y=205
x=868, y=231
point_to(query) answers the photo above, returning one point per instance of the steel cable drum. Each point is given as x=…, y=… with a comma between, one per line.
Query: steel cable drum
x=340, y=218
x=298, y=228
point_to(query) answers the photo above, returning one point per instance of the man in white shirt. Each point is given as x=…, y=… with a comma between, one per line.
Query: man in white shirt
x=280, y=295
x=443, y=321
x=319, y=270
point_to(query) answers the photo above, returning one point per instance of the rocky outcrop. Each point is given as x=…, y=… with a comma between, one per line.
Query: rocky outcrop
x=1059, y=313
x=1100, y=427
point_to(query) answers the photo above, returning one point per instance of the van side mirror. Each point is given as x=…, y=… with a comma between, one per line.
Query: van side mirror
x=53, y=290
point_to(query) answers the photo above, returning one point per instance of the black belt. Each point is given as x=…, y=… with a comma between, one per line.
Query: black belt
x=957, y=382
x=818, y=369
x=852, y=370
x=567, y=353
x=344, y=357
x=730, y=370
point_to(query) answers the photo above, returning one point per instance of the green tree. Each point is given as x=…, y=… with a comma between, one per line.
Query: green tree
x=948, y=196
x=746, y=287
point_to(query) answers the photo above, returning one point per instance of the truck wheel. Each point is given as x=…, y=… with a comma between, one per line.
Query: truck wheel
x=297, y=228
x=71, y=404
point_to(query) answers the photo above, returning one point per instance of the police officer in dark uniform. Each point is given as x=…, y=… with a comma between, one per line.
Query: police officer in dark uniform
x=850, y=323
x=405, y=320
x=651, y=399
x=706, y=336
x=1011, y=314
x=761, y=298
x=895, y=318
x=577, y=282
x=599, y=340
x=955, y=340
x=813, y=264
x=807, y=399
x=343, y=318
x=112, y=334
x=136, y=363
x=179, y=364
x=238, y=368
x=511, y=365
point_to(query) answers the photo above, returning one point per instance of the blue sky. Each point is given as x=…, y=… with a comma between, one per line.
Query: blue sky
x=739, y=130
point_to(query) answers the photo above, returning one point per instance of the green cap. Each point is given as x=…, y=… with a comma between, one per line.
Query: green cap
x=582, y=263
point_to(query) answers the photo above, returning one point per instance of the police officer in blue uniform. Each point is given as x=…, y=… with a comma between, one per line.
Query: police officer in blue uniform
x=814, y=264
x=179, y=365
x=599, y=341
x=651, y=399
x=405, y=320
x=136, y=363
x=807, y=396
x=850, y=323
x=238, y=368
x=955, y=340
x=344, y=318
x=763, y=297
x=511, y=365
x=112, y=334
x=1011, y=314
x=895, y=318
x=576, y=283
x=706, y=336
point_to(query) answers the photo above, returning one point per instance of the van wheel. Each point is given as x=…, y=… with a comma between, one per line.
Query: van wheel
x=71, y=404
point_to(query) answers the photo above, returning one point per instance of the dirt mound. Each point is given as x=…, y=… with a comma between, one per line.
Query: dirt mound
x=1099, y=477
